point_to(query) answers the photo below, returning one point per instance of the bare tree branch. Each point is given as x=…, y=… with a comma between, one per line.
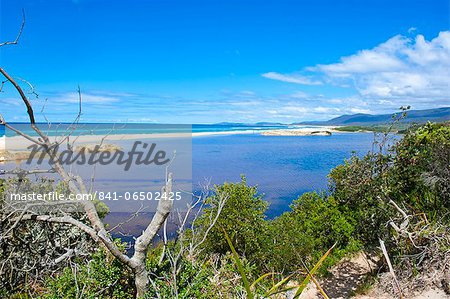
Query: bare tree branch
x=16, y=41
x=22, y=95
x=95, y=227
x=391, y=269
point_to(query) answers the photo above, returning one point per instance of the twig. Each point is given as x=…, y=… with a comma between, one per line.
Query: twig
x=391, y=269
x=22, y=95
x=18, y=34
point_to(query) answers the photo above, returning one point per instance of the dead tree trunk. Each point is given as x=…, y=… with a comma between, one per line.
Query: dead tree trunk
x=144, y=241
x=95, y=229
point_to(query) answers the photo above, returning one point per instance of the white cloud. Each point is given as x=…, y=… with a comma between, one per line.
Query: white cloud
x=291, y=78
x=400, y=71
x=359, y=110
x=412, y=29
x=11, y=102
x=86, y=98
x=379, y=59
x=402, y=68
x=294, y=109
x=326, y=110
x=299, y=95
x=247, y=93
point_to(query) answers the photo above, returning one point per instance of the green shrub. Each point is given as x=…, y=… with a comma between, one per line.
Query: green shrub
x=358, y=187
x=414, y=173
x=188, y=280
x=242, y=218
x=314, y=224
x=421, y=169
x=99, y=278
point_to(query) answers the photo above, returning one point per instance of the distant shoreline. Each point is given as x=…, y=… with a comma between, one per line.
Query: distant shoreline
x=18, y=143
x=310, y=131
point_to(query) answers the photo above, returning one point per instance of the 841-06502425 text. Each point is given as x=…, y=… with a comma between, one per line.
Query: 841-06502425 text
x=99, y=195
x=105, y=196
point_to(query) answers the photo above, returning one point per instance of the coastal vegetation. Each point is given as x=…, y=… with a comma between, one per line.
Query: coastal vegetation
x=381, y=224
x=361, y=128
x=398, y=194
x=395, y=198
x=399, y=128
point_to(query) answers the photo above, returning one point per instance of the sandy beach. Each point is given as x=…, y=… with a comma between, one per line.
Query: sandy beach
x=18, y=143
x=2, y=143
x=310, y=131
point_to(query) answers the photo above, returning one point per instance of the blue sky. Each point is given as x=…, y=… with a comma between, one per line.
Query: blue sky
x=212, y=61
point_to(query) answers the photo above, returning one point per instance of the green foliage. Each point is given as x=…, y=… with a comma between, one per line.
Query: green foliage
x=421, y=169
x=240, y=267
x=242, y=218
x=413, y=172
x=99, y=278
x=310, y=276
x=314, y=224
x=357, y=186
x=102, y=208
x=360, y=128
x=33, y=244
x=399, y=127
x=192, y=280
x=255, y=289
x=2, y=188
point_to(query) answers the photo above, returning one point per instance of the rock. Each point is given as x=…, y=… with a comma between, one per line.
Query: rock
x=295, y=133
x=321, y=133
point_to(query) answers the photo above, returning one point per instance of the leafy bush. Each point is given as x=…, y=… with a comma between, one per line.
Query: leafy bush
x=98, y=278
x=31, y=245
x=421, y=169
x=242, y=218
x=358, y=188
x=314, y=224
x=414, y=172
x=188, y=280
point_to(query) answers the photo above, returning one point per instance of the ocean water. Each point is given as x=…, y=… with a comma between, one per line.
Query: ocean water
x=283, y=167
x=134, y=128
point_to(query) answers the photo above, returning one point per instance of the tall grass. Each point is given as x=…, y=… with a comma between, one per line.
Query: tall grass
x=279, y=287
